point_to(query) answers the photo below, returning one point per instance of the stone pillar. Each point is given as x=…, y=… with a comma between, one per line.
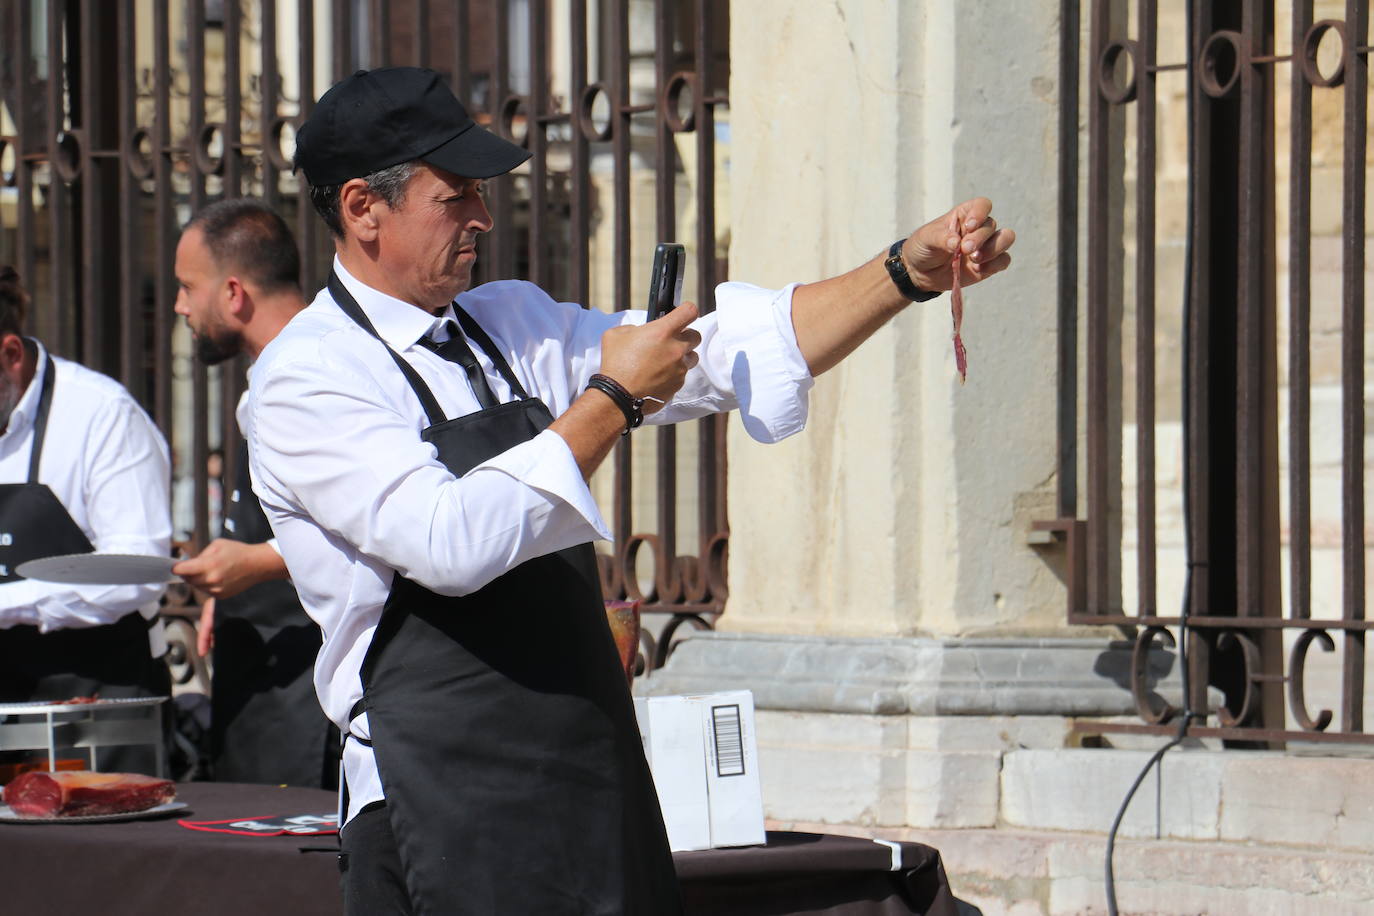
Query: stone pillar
x=904, y=508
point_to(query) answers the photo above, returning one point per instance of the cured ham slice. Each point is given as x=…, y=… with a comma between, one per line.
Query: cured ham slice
x=956, y=300
x=82, y=793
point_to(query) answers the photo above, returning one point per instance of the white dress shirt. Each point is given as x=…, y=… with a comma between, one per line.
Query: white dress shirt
x=107, y=464
x=354, y=495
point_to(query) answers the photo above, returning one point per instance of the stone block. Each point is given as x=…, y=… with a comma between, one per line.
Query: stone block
x=1308, y=801
x=1207, y=878
x=986, y=733
x=832, y=768
x=946, y=789
x=1082, y=790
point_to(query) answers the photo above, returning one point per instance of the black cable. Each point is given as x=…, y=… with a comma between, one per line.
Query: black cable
x=1187, y=714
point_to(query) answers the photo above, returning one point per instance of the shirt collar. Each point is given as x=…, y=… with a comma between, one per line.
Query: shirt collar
x=27, y=408
x=399, y=323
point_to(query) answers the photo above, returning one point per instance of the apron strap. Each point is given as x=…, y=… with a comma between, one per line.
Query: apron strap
x=350, y=307
x=40, y=420
x=474, y=330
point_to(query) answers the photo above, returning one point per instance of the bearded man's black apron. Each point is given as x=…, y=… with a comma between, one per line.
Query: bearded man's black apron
x=112, y=660
x=266, y=725
x=503, y=728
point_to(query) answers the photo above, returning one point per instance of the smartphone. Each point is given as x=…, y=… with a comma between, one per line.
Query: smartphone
x=665, y=287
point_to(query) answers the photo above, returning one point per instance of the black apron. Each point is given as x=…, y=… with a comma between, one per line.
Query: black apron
x=266, y=725
x=112, y=660
x=503, y=729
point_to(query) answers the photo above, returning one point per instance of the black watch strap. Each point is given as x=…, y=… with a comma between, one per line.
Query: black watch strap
x=896, y=269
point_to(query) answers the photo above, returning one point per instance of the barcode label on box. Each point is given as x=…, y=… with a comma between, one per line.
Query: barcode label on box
x=729, y=740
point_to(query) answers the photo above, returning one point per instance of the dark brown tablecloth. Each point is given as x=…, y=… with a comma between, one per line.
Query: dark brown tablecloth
x=153, y=866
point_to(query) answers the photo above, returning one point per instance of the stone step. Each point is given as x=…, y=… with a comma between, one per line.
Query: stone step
x=1008, y=872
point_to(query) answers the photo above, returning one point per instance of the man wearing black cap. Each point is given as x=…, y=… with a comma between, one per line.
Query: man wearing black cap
x=438, y=525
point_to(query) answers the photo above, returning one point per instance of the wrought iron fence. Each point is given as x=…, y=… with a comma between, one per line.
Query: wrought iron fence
x=122, y=118
x=1201, y=125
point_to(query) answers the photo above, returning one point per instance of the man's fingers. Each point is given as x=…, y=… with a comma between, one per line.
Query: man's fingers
x=983, y=270
x=205, y=634
x=679, y=318
x=978, y=237
x=192, y=567
x=690, y=337
x=995, y=244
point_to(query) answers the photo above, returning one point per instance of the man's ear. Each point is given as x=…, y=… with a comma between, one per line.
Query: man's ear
x=12, y=356
x=357, y=205
x=236, y=297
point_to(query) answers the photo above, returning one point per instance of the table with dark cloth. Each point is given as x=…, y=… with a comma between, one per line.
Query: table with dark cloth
x=154, y=865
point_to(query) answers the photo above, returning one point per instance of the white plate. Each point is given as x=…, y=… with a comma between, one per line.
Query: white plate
x=9, y=817
x=33, y=707
x=100, y=569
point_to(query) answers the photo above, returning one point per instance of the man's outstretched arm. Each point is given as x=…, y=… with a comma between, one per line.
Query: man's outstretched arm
x=832, y=317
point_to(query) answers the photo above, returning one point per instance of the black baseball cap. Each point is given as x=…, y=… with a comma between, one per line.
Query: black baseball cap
x=379, y=118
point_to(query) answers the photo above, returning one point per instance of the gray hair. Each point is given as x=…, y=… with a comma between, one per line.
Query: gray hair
x=389, y=183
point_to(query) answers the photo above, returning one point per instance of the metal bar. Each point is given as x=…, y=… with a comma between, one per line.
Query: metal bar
x=162, y=215
x=665, y=213
x=1230, y=734
x=270, y=83
x=379, y=31
x=1250, y=334
x=420, y=50
x=341, y=26
x=306, y=223
x=711, y=458
x=1067, y=407
x=619, y=78
x=233, y=101
x=62, y=334
x=502, y=192
x=1257, y=499
x=84, y=118
x=131, y=328
x=1300, y=325
x=24, y=77
x=1099, y=161
x=231, y=374
x=1226, y=622
x=200, y=392
x=462, y=53
x=538, y=143
x=1352, y=363
x=1145, y=309
x=579, y=280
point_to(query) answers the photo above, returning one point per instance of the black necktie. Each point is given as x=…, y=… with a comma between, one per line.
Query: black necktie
x=456, y=350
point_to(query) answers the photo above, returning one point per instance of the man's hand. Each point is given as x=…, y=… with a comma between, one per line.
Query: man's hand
x=225, y=567
x=970, y=228
x=205, y=633
x=652, y=360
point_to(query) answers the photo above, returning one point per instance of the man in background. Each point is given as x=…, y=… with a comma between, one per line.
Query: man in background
x=238, y=271
x=82, y=468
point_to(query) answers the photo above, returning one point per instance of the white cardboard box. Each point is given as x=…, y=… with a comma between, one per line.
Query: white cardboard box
x=704, y=757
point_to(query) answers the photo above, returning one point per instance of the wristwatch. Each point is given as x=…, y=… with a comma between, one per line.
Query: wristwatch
x=896, y=269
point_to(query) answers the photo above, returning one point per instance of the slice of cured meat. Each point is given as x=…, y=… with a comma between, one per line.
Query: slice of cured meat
x=82, y=793
x=956, y=306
